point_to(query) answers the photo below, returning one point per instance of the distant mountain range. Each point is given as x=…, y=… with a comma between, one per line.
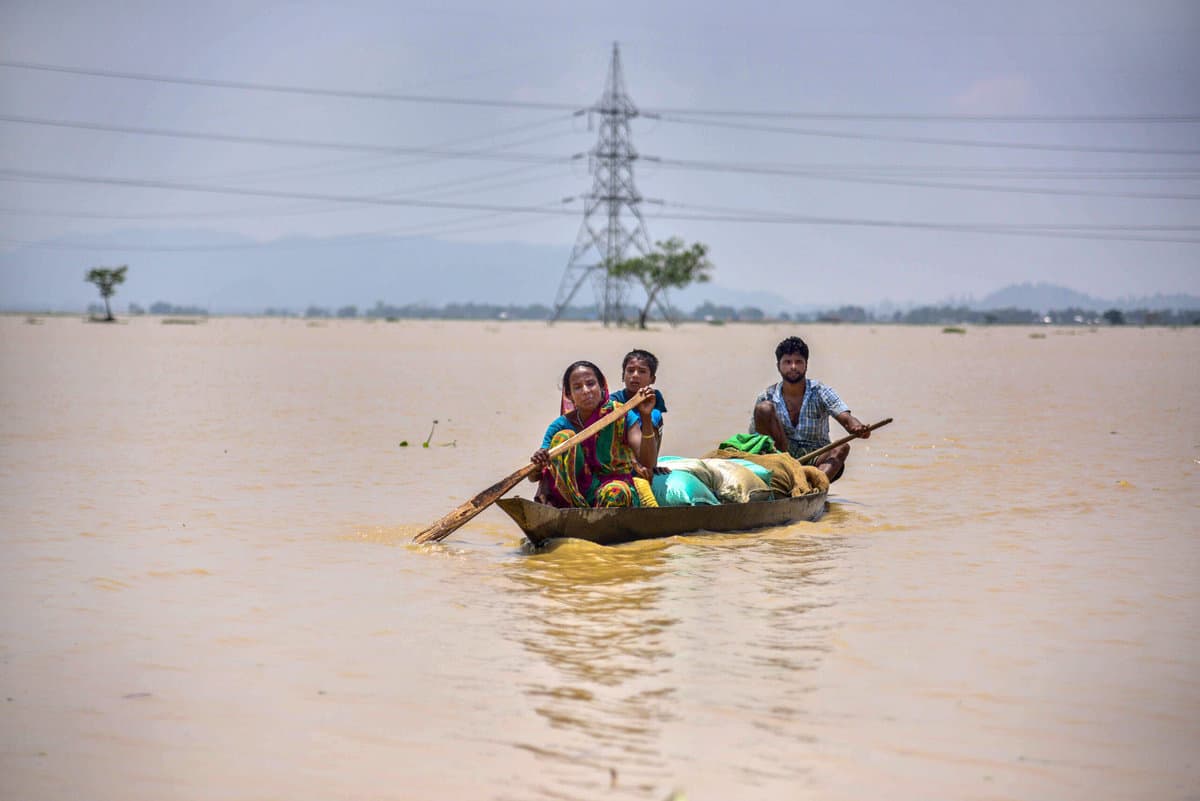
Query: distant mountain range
x=1044, y=297
x=231, y=274
x=227, y=273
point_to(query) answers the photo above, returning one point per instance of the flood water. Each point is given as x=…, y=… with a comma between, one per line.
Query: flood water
x=207, y=589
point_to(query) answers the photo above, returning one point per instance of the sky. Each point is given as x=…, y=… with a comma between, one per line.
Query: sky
x=1064, y=137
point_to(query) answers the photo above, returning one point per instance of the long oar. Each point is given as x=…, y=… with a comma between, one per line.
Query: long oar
x=809, y=458
x=451, y=522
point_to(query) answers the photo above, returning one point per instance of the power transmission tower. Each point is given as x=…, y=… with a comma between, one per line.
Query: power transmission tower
x=612, y=227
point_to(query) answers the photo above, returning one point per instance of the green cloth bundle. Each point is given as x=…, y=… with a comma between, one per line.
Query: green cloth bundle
x=750, y=443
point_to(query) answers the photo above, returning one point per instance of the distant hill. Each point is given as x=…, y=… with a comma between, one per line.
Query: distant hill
x=1044, y=297
x=232, y=274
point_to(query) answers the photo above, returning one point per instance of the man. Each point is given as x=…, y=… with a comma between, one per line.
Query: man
x=795, y=412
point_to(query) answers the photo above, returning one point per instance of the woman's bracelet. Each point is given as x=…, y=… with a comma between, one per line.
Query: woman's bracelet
x=651, y=435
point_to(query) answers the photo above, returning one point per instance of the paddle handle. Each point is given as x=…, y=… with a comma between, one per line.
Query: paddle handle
x=451, y=522
x=809, y=457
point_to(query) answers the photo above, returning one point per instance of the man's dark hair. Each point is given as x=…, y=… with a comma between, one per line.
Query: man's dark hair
x=566, y=384
x=791, y=345
x=643, y=355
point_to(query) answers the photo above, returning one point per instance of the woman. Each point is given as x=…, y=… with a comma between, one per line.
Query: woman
x=598, y=472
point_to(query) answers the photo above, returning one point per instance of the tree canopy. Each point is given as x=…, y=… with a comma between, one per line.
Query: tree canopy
x=671, y=265
x=106, y=280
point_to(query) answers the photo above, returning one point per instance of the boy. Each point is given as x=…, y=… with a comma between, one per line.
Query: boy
x=639, y=369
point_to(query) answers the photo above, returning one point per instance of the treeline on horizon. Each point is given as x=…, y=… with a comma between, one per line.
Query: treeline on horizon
x=713, y=313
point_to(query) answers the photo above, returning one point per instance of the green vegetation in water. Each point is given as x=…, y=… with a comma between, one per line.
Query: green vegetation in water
x=953, y=329
x=425, y=444
x=403, y=443
x=1037, y=336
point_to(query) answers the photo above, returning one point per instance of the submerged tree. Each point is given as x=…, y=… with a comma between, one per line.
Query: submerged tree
x=670, y=266
x=106, y=280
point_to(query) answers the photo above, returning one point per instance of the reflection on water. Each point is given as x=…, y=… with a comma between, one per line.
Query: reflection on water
x=601, y=618
x=595, y=620
x=635, y=642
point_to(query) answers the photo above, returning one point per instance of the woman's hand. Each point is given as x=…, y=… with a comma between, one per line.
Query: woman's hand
x=541, y=457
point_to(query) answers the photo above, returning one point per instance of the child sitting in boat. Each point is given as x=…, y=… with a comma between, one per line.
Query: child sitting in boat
x=639, y=369
x=600, y=470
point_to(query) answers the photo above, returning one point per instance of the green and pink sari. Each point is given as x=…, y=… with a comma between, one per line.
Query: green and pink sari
x=598, y=472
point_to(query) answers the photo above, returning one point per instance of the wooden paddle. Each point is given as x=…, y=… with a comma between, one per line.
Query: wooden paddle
x=809, y=458
x=451, y=522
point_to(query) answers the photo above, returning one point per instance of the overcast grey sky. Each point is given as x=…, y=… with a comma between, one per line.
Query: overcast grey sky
x=883, y=234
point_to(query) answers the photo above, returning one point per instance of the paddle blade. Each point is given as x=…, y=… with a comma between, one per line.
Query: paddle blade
x=448, y=524
x=453, y=521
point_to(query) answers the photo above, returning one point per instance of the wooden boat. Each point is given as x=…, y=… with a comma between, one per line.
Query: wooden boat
x=611, y=526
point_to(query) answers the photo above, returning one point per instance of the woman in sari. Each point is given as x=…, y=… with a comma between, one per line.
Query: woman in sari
x=599, y=471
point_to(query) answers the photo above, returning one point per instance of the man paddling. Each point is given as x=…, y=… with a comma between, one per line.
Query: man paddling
x=795, y=412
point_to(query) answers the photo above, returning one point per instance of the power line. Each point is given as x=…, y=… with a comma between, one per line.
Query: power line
x=243, y=213
x=370, y=162
x=306, y=208
x=499, y=153
x=482, y=153
x=851, y=116
x=929, y=140
x=1057, y=230
x=896, y=224
x=651, y=112
x=455, y=226
x=234, y=190
x=294, y=90
x=876, y=180
x=1010, y=171
x=767, y=215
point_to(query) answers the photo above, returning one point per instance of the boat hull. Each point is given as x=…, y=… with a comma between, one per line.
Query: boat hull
x=610, y=526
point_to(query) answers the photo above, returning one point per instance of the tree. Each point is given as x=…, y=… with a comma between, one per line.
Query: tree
x=669, y=266
x=751, y=313
x=106, y=280
x=1114, y=317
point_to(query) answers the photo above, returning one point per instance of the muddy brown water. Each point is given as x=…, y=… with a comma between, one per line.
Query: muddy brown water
x=207, y=590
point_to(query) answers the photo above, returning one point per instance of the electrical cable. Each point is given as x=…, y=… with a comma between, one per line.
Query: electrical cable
x=1049, y=230
x=1140, y=118
x=481, y=153
x=285, y=89
x=941, y=141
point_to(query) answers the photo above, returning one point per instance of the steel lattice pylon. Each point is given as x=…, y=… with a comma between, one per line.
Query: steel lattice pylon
x=613, y=228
